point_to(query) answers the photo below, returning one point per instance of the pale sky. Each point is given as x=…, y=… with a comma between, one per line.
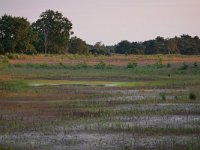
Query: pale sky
x=111, y=21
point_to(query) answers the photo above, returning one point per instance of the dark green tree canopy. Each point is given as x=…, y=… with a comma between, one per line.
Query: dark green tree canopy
x=189, y=45
x=123, y=47
x=100, y=49
x=54, y=31
x=15, y=35
x=51, y=34
x=77, y=46
x=126, y=47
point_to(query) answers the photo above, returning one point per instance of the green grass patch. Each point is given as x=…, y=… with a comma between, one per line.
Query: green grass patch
x=13, y=85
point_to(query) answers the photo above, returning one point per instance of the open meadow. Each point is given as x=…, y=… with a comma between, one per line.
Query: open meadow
x=118, y=102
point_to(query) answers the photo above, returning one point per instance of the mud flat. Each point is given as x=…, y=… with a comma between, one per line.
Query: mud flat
x=94, y=140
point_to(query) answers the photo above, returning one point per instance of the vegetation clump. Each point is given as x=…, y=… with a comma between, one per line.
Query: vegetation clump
x=192, y=96
x=131, y=65
x=101, y=65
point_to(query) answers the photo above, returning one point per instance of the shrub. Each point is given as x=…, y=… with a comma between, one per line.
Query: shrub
x=131, y=65
x=192, y=96
x=101, y=65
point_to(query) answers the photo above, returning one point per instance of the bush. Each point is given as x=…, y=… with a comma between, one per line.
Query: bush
x=131, y=65
x=100, y=65
x=192, y=96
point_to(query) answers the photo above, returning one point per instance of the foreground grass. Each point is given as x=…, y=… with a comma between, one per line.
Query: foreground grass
x=41, y=97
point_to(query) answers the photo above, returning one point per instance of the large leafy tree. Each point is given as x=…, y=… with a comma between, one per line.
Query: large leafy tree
x=137, y=48
x=15, y=35
x=156, y=46
x=53, y=31
x=172, y=46
x=188, y=45
x=77, y=46
x=123, y=47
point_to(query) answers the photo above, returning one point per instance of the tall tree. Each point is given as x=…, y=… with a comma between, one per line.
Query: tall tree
x=188, y=45
x=137, y=48
x=172, y=46
x=15, y=35
x=54, y=31
x=123, y=47
x=77, y=46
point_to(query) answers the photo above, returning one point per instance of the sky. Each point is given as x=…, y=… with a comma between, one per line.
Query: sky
x=111, y=21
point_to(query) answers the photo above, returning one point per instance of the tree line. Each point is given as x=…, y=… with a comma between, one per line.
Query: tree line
x=184, y=44
x=52, y=33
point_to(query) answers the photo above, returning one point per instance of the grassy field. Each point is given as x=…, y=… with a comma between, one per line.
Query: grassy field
x=87, y=102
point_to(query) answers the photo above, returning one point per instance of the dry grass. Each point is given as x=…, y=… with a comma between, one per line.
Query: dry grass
x=115, y=59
